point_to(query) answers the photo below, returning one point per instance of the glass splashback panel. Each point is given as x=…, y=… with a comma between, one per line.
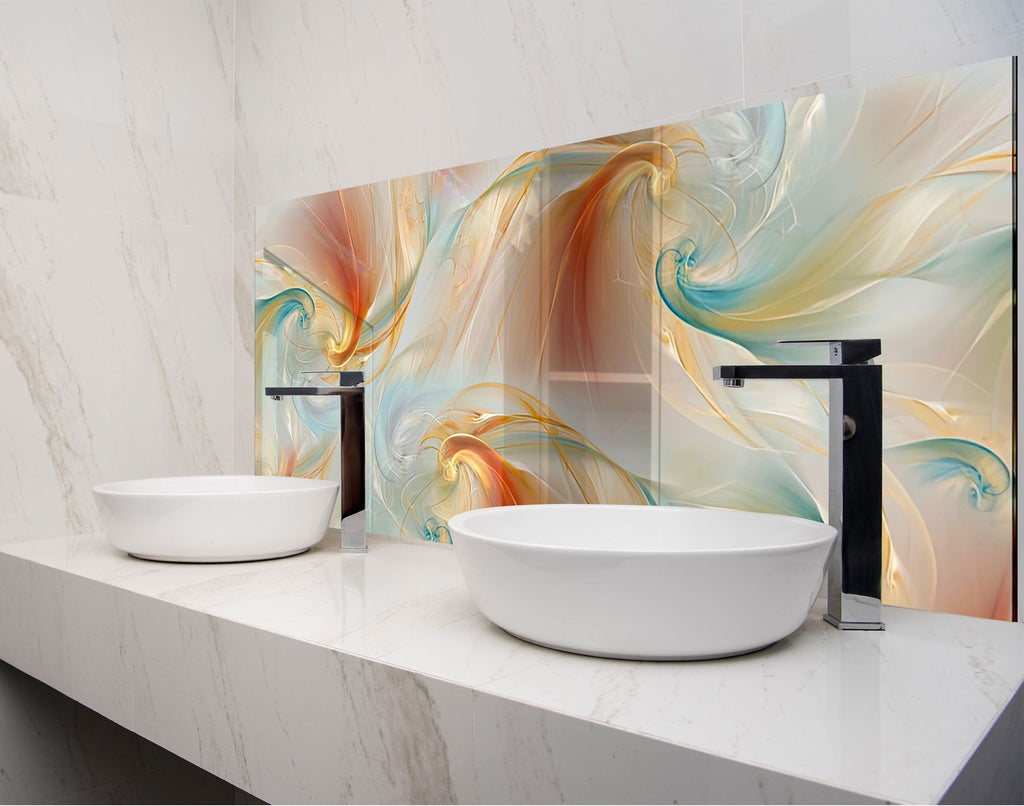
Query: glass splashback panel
x=543, y=328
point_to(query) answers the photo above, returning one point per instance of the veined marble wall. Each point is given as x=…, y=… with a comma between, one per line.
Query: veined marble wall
x=115, y=246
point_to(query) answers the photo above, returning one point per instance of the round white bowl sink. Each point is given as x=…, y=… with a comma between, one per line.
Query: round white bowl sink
x=651, y=583
x=211, y=519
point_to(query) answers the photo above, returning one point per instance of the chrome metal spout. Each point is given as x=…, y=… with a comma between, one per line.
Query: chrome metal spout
x=352, y=435
x=854, y=472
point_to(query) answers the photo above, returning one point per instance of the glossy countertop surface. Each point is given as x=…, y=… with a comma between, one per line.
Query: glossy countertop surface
x=892, y=715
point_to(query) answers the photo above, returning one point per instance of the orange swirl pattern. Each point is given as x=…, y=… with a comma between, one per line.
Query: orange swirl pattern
x=494, y=445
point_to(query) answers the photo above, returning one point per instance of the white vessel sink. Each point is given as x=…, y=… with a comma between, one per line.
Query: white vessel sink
x=652, y=583
x=215, y=518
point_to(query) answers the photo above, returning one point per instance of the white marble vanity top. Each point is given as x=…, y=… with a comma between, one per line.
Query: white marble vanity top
x=326, y=677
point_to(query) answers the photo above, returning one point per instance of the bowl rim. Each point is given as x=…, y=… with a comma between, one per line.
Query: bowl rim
x=116, y=488
x=828, y=533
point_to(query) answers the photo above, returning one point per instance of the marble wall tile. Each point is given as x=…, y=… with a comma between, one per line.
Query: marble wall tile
x=116, y=335
x=795, y=43
x=116, y=174
x=503, y=78
x=996, y=48
x=328, y=95
x=121, y=106
x=332, y=95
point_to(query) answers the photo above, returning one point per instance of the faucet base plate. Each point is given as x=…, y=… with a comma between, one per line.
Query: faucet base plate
x=853, y=625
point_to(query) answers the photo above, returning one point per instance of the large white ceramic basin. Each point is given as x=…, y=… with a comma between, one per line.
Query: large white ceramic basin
x=653, y=583
x=209, y=519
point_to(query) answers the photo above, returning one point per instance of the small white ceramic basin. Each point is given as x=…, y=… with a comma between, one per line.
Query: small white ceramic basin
x=210, y=519
x=651, y=583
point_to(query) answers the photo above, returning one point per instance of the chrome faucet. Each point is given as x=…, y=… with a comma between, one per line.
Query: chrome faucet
x=854, y=471
x=353, y=466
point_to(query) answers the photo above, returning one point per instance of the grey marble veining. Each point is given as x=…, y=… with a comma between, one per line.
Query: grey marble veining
x=39, y=394
x=116, y=202
x=125, y=369
x=119, y=106
x=464, y=81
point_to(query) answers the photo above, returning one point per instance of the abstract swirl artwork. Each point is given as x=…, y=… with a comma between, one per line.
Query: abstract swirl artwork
x=542, y=329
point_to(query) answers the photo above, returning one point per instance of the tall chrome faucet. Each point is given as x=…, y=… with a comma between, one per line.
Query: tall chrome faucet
x=353, y=466
x=854, y=471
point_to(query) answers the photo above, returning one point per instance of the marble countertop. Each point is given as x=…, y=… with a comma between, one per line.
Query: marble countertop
x=228, y=664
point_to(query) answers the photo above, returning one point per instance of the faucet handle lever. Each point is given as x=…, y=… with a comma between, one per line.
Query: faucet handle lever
x=845, y=351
